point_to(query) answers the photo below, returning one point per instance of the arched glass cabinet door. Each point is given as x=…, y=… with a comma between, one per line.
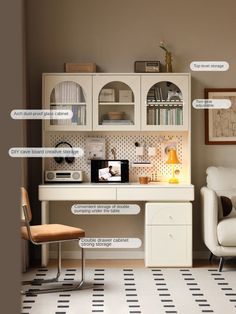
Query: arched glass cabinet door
x=165, y=103
x=69, y=93
x=116, y=103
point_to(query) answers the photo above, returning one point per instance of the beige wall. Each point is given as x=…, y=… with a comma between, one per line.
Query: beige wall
x=12, y=97
x=116, y=33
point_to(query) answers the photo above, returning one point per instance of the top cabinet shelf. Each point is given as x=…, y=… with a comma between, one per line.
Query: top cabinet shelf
x=118, y=102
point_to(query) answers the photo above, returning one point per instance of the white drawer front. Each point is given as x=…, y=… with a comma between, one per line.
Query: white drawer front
x=155, y=194
x=168, y=214
x=83, y=194
x=168, y=246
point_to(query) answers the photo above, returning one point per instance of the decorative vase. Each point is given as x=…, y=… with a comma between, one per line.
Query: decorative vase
x=168, y=61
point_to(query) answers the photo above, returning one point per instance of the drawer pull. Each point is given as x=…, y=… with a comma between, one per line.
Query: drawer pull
x=170, y=235
x=171, y=217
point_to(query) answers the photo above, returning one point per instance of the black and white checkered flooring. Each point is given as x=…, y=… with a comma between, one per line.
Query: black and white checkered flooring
x=136, y=291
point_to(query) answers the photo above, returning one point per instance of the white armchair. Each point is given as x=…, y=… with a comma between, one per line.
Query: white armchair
x=219, y=213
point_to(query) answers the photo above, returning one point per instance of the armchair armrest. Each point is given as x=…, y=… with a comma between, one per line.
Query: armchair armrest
x=209, y=208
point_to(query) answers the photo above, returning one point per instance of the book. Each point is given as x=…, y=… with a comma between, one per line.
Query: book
x=151, y=115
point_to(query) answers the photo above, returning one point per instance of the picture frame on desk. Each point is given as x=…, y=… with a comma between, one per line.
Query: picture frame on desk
x=220, y=124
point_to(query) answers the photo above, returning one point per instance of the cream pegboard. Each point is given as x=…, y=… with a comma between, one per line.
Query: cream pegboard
x=125, y=149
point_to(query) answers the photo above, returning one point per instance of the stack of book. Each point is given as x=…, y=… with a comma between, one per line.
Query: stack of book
x=117, y=122
x=69, y=96
x=168, y=115
x=78, y=118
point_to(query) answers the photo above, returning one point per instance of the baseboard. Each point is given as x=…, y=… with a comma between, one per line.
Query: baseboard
x=111, y=254
x=114, y=254
x=201, y=254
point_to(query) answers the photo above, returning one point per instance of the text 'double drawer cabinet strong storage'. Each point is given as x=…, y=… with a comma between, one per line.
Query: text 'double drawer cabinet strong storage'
x=168, y=234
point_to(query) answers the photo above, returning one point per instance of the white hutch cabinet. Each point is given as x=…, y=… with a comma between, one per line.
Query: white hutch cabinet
x=143, y=104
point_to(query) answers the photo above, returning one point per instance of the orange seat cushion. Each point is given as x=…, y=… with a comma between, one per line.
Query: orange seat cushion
x=52, y=232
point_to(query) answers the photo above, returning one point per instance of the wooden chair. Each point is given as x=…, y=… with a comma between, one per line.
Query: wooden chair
x=49, y=233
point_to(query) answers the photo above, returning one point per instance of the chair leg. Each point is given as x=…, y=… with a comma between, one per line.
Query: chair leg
x=221, y=264
x=60, y=289
x=58, y=260
x=211, y=257
x=50, y=280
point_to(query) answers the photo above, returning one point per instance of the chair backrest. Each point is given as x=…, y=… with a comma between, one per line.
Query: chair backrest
x=26, y=204
x=221, y=178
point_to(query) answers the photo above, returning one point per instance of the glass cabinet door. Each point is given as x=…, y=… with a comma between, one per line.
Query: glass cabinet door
x=69, y=93
x=116, y=103
x=165, y=102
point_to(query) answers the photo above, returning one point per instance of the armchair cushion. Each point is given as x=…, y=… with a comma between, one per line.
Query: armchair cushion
x=222, y=180
x=228, y=206
x=226, y=232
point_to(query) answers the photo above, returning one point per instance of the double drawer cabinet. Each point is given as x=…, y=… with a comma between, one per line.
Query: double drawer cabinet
x=168, y=234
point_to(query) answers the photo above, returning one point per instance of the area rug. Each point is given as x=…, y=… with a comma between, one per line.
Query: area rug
x=137, y=291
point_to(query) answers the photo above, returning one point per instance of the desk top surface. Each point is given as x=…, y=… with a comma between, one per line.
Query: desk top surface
x=116, y=185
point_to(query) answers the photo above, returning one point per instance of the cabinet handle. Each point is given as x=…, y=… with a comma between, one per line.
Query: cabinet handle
x=170, y=217
x=170, y=235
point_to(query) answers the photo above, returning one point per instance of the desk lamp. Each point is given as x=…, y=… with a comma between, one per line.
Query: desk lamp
x=172, y=160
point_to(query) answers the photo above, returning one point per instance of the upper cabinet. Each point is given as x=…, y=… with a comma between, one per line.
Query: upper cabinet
x=68, y=92
x=119, y=102
x=165, y=102
x=116, y=102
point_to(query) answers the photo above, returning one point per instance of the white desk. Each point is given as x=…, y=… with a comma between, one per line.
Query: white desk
x=152, y=192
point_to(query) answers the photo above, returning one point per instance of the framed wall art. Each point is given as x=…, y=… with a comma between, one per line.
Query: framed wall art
x=220, y=124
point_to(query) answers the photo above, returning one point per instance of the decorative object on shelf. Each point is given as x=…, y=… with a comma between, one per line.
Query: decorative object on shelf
x=115, y=115
x=147, y=66
x=220, y=124
x=95, y=148
x=107, y=94
x=68, y=160
x=174, y=95
x=144, y=180
x=113, y=151
x=172, y=160
x=168, y=57
x=139, y=149
x=155, y=177
x=151, y=151
x=170, y=145
x=125, y=95
x=142, y=164
x=80, y=67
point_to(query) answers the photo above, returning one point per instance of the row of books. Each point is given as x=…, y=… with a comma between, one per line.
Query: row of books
x=167, y=116
x=67, y=92
x=156, y=94
x=78, y=118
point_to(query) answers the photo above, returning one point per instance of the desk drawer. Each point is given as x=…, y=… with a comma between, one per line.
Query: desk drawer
x=168, y=246
x=155, y=194
x=168, y=214
x=73, y=193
